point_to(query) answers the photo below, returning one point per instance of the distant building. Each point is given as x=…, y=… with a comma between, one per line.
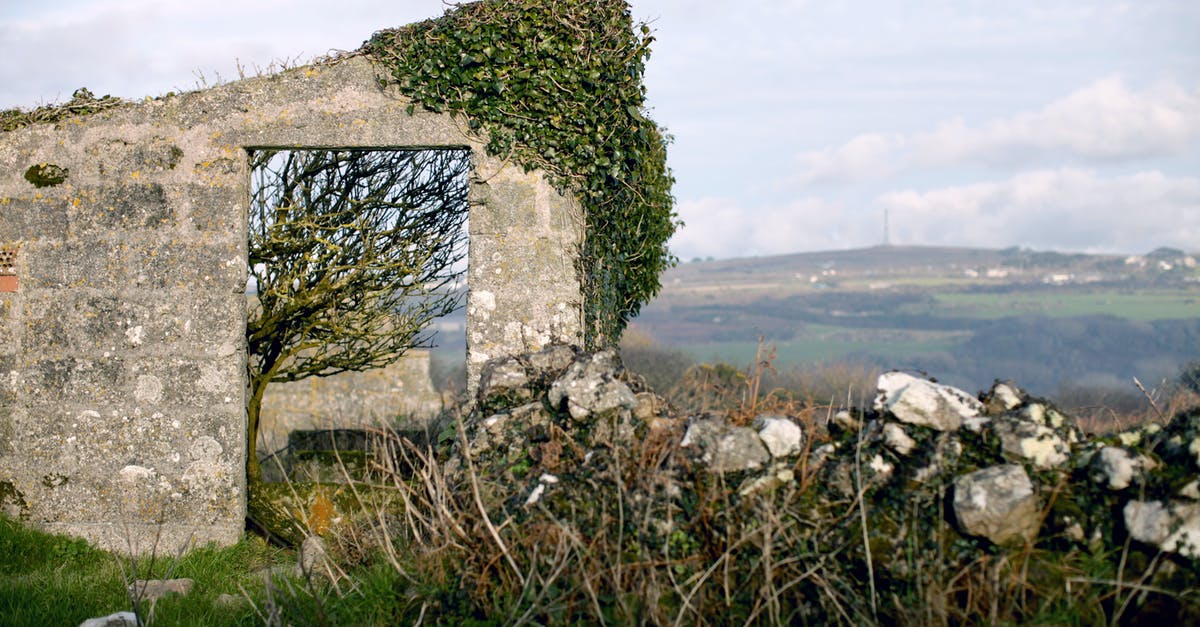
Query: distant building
x=1058, y=279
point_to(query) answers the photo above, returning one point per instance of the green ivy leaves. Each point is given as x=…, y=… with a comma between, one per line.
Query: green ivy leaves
x=557, y=85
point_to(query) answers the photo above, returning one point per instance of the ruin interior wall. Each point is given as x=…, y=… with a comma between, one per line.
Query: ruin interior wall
x=400, y=395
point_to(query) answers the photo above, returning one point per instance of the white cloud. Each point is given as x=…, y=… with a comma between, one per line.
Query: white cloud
x=134, y=48
x=722, y=228
x=867, y=156
x=1103, y=121
x=1071, y=209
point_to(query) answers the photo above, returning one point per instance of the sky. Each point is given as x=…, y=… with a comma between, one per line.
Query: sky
x=797, y=125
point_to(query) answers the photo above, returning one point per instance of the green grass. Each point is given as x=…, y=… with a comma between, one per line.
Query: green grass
x=48, y=579
x=1141, y=305
x=826, y=343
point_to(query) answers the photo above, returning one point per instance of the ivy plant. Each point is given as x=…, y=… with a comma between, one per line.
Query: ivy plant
x=557, y=85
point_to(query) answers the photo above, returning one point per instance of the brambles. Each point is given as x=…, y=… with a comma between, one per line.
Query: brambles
x=1189, y=377
x=555, y=512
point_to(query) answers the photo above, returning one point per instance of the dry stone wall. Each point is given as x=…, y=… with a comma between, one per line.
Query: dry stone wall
x=122, y=316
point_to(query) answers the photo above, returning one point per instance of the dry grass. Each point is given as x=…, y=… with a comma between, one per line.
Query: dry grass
x=640, y=535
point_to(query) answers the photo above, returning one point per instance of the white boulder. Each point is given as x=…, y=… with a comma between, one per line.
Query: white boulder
x=920, y=402
x=781, y=436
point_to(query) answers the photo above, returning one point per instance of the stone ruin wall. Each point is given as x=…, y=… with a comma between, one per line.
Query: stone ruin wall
x=401, y=395
x=122, y=320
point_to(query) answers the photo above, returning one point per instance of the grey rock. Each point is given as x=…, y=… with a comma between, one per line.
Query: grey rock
x=847, y=421
x=725, y=448
x=897, y=439
x=781, y=436
x=1173, y=527
x=919, y=402
x=120, y=619
x=1044, y=446
x=149, y=589
x=312, y=558
x=550, y=362
x=997, y=503
x=228, y=600
x=1047, y=416
x=778, y=476
x=506, y=431
x=504, y=379
x=589, y=387
x=703, y=432
x=1003, y=397
x=1038, y=433
x=739, y=449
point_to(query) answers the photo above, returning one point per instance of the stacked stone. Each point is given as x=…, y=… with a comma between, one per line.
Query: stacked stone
x=1014, y=467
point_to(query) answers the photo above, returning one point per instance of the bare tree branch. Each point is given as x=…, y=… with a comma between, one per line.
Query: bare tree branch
x=352, y=254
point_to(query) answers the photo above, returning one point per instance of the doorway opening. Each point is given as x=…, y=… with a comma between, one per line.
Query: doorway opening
x=353, y=254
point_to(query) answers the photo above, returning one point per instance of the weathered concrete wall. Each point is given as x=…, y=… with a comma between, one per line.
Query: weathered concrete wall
x=524, y=292
x=122, y=405
x=351, y=400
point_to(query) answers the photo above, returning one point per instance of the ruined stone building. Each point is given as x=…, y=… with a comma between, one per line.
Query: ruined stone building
x=122, y=279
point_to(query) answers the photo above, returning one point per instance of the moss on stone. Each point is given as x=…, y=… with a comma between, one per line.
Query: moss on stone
x=292, y=511
x=12, y=501
x=46, y=174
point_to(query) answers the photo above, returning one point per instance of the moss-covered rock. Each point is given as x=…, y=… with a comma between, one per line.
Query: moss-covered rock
x=289, y=512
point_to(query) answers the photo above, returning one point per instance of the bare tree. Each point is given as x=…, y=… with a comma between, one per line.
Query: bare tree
x=352, y=254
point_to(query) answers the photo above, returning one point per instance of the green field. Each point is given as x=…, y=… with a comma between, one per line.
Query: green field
x=824, y=344
x=1040, y=335
x=1141, y=305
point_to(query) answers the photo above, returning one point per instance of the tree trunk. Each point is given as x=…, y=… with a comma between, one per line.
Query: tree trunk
x=258, y=386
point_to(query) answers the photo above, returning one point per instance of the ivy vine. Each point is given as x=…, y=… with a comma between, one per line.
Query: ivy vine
x=557, y=85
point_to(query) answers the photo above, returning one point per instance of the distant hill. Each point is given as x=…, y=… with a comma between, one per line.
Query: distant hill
x=882, y=261
x=859, y=259
x=967, y=315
